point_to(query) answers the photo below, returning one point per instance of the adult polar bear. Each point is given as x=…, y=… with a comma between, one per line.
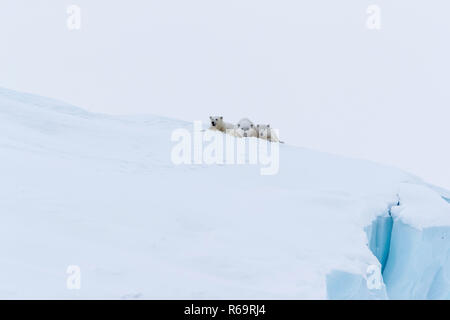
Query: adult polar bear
x=217, y=123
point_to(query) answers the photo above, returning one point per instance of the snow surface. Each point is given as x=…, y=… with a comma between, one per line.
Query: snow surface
x=100, y=192
x=415, y=209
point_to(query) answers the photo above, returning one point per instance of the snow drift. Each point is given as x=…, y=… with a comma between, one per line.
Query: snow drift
x=101, y=193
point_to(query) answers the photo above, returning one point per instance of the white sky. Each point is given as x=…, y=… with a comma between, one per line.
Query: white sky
x=310, y=68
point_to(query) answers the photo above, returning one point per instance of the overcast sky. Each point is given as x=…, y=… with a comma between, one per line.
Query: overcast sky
x=311, y=68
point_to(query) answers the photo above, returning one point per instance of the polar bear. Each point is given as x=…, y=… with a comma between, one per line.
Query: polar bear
x=245, y=128
x=267, y=133
x=217, y=123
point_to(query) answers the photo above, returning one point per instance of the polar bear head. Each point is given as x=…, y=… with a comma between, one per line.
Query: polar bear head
x=216, y=121
x=249, y=131
x=246, y=128
x=264, y=131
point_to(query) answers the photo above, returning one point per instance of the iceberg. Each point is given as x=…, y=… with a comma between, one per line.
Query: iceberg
x=99, y=195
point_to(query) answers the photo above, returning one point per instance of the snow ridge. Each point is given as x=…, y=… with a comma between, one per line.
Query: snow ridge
x=101, y=192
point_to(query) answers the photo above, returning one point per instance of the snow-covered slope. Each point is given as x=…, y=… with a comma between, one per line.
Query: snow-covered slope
x=102, y=193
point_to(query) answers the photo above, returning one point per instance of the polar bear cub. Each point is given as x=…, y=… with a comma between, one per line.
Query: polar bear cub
x=245, y=128
x=267, y=133
x=217, y=123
